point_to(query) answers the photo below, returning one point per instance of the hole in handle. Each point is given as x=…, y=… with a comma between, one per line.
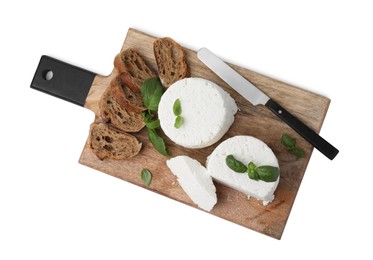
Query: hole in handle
x=47, y=75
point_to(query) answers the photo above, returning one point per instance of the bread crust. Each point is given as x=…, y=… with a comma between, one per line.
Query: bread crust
x=132, y=69
x=171, y=61
x=107, y=142
x=117, y=116
x=126, y=97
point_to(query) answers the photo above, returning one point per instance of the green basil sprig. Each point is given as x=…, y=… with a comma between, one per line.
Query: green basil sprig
x=147, y=117
x=289, y=144
x=151, y=93
x=265, y=173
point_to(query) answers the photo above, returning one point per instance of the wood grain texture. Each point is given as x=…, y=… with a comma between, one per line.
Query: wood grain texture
x=257, y=121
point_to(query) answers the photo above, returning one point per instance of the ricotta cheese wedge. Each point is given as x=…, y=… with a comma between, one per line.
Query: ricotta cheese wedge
x=194, y=180
x=207, y=110
x=244, y=149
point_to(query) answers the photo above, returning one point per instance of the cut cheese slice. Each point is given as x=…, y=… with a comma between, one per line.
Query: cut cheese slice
x=244, y=149
x=194, y=180
x=208, y=112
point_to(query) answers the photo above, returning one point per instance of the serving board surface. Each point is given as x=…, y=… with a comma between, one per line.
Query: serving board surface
x=257, y=121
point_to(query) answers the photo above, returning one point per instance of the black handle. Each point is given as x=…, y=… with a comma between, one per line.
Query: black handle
x=62, y=80
x=316, y=140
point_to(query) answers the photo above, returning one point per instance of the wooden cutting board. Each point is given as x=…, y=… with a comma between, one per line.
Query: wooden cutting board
x=257, y=121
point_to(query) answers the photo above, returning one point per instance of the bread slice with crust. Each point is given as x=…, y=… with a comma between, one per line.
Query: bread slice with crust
x=171, y=61
x=132, y=69
x=118, y=116
x=106, y=142
x=126, y=97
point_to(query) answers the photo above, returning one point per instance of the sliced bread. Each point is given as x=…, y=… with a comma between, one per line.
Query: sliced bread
x=116, y=115
x=126, y=97
x=171, y=61
x=106, y=142
x=132, y=69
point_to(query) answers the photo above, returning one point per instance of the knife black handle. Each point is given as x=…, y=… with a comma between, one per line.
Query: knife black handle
x=63, y=80
x=313, y=138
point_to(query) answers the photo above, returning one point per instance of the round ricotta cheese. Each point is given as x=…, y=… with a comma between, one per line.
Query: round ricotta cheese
x=207, y=110
x=245, y=149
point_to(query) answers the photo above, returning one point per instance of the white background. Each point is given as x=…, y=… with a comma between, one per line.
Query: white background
x=51, y=207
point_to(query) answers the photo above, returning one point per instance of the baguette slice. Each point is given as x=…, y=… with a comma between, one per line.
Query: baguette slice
x=132, y=69
x=125, y=97
x=171, y=61
x=116, y=115
x=107, y=142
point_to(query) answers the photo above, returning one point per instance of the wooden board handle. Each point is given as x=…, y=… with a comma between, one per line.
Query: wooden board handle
x=63, y=80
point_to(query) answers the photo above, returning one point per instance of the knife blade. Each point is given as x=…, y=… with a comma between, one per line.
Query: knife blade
x=257, y=97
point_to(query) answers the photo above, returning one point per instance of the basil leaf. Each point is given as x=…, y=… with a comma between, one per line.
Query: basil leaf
x=178, y=121
x=147, y=116
x=251, y=167
x=235, y=165
x=298, y=153
x=253, y=175
x=146, y=176
x=151, y=93
x=288, y=141
x=177, y=108
x=157, y=141
x=153, y=124
x=251, y=171
x=265, y=173
x=268, y=173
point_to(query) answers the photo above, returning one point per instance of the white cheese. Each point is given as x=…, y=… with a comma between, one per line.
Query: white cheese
x=194, y=180
x=208, y=112
x=244, y=149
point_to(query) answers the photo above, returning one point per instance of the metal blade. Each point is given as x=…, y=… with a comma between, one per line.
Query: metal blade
x=232, y=77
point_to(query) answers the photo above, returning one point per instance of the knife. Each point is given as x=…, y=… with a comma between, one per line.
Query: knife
x=257, y=97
